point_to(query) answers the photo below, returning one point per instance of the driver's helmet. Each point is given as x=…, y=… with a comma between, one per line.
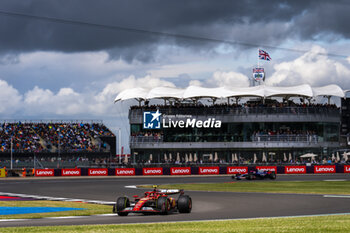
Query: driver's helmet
x=155, y=188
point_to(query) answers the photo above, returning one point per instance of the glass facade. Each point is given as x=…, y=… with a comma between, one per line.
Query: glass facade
x=245, y=132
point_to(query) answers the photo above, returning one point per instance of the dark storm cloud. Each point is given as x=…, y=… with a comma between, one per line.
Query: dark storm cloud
x=224, y=19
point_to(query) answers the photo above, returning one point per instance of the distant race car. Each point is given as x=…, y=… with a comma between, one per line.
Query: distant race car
x=154, y=202
x=256, y=174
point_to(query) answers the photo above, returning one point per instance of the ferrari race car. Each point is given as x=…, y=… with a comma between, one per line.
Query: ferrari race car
x=256, y=174
x=154, y=202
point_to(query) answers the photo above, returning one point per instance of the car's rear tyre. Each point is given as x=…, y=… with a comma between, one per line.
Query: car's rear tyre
x=163, y=205
x=184, y=204
x=250, y=176
x=238, y=176
x=273, y=176
x=120, y=205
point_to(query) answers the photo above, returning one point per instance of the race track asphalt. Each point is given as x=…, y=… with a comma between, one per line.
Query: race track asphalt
x=206, y=205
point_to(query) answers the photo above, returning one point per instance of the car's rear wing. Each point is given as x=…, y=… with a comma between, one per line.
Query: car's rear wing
x=171, y=191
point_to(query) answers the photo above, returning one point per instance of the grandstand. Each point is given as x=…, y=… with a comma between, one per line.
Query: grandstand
x=241, y=125
x=55, y=143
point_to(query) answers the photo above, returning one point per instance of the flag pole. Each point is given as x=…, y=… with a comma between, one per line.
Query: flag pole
x=259, y=63
x=258, y=59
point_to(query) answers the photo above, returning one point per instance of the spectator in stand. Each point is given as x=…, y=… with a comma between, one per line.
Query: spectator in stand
x=34, y=137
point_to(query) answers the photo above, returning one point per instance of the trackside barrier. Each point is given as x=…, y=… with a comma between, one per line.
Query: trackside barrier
x=295, y=169
x=44, y=172
x=152, y=171
x=324, y=169
x=125, y=171
x=180, y=171
x=346, y=168
x=210, y=170
x=267, y=168
x=236, y=170
x=71, y=172
x=98, y=171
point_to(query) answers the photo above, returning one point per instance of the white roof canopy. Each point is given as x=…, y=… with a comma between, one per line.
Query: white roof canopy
x=301, y=90
x=330, y=90
x=134, y=93
x=193, y=92
x=203, y=92
x=165, y=92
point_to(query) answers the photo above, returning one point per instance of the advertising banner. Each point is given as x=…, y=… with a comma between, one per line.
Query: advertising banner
x=208, y=170
x=44, y=172
x=71, y=172
x=346, y=168
x=98, y=172
x=125, y=171
x=295, y=169
x=2, y=172
x=267, y=168
x=235, y=170
x=152, y=171
x=324, y=169
x=180, y=171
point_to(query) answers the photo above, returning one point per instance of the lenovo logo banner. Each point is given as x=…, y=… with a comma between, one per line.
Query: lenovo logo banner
x=44, y=172
x=324, y=169
x=208, y=170
x=71, y=172
x=125, y=171
x=180, y=171
x=346, y=168
x=267, y=168
x=295, y=169
x=235, y=170
x=98, y=172
x=152, y=171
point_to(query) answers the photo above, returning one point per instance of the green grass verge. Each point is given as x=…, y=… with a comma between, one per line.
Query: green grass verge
x=338, y=223
x=90, y=209
x=311, y=187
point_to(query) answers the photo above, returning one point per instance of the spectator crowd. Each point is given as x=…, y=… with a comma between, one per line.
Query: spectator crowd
x=51, y=137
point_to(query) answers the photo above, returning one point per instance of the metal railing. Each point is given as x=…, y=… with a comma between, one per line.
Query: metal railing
x=146, y=139
x=312, y=138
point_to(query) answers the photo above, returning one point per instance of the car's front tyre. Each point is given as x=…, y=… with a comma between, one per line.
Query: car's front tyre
x=163, y=205
x=120, y=205
x=273, y=176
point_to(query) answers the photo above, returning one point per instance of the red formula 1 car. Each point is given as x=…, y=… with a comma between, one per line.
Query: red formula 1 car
x=154, y=202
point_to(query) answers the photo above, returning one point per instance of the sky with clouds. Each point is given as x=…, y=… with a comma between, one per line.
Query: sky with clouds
x=69, y=59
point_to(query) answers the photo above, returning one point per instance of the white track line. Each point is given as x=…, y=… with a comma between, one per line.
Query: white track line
x=337, y=196
x=130, y=187
x=66, y=217
x=105, y=215
x=336, y=180
x=14, y=220
x=185, y=221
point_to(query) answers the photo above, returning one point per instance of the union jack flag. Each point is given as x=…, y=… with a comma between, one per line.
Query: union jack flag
x=258, y=70
x=263, y=55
